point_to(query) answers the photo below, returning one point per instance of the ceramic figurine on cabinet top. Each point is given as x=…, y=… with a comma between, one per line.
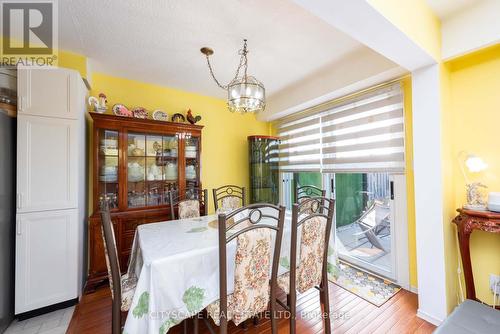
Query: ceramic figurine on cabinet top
x=192, y=119
x=98, y=104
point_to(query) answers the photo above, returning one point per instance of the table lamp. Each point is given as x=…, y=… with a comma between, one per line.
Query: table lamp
x=475, y=198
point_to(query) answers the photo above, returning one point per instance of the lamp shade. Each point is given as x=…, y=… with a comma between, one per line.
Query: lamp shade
x=246, y=94
x=475, y=164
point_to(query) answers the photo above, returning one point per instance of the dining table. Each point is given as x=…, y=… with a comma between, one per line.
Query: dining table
x=176, y=264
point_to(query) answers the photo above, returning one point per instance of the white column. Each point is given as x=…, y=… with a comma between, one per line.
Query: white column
x=429, y=194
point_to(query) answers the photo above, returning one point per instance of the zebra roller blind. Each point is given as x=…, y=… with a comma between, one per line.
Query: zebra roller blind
x=364, y=133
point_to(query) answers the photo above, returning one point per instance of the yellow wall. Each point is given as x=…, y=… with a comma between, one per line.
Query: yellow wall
x=73, y=61
x=224, y=137
x=410, y=188
x=474, y=128
x=416, y=20
x=449, y=208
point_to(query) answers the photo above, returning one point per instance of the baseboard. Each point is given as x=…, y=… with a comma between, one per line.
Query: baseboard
x=429, y=318
x=413, y=289
x=46, y=309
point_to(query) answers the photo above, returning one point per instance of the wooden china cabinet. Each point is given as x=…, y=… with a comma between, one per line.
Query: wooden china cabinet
x=136, y=162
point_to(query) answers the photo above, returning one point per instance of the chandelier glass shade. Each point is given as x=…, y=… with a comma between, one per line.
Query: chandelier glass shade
x=245, y=94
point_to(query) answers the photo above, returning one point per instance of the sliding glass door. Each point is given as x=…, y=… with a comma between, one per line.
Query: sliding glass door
x=364, y=220
x=364, y=215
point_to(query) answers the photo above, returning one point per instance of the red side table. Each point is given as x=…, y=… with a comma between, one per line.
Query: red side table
x=467, y=221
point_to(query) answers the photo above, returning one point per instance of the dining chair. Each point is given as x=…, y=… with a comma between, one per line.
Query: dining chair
x=255, y=270
x=307, y=191
x=314, y=217
x=228, y=198
x=122, y=287
x=191, y=204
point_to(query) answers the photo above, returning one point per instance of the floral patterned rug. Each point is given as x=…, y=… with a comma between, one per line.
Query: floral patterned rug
x=371, y=288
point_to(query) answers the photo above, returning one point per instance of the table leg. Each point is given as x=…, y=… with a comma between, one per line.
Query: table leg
x=464, y=239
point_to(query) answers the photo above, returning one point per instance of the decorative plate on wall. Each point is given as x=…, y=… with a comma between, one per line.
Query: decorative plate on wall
x=160, y=115
x=121, y=110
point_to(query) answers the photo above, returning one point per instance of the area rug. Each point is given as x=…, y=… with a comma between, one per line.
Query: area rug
x=373, y=289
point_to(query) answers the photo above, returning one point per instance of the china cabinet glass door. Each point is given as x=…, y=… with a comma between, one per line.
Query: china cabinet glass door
x=108, y=167
x=192, y=163
x=152, y=169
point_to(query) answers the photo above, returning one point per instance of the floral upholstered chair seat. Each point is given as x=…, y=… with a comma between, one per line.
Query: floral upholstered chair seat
x=229, y=203
x=128, y=284
x=312, y=247
x=251, y=278
x=189, y=209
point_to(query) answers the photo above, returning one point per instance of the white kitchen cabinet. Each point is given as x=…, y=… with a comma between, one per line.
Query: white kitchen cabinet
x=46, y=259
x=51, y=188
x=47, y=164
x=49, y=92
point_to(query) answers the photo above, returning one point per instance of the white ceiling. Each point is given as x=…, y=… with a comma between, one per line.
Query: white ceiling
x=446, y=8
x=158, y=41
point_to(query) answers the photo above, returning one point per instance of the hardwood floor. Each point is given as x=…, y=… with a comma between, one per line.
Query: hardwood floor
x=354, y=315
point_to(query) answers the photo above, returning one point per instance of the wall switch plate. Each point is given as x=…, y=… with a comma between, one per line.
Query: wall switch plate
x=495, y=283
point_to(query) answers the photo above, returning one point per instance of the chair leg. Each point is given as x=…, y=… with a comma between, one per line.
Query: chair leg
x=288, y=300
x=116, y=321
x=293, y=310
x=256, y=321
x=184, y=327
x=195, y=324
x=274, y=325
x=326, y=304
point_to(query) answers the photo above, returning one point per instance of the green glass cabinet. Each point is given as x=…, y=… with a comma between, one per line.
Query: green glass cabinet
x=264, y=169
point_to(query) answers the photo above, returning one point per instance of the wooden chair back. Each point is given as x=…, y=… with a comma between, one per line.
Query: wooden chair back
x=200, y=195
x=228, y=191
x=308, y=191
x=243, y=220
x=304, y=213
x=113, y=265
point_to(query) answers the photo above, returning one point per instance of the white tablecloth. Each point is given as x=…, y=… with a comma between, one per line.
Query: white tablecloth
x=177, y=266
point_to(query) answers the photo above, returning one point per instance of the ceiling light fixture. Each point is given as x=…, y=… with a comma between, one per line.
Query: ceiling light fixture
x=245, y=94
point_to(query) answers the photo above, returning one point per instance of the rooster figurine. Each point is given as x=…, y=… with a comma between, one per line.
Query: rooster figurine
x=191, y=119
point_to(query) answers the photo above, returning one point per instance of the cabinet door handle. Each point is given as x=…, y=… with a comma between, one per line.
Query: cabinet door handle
x=18, y=227
x=19, y=201
x=21, y=103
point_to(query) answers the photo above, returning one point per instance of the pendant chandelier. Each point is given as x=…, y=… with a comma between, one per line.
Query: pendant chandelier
x=245, y=94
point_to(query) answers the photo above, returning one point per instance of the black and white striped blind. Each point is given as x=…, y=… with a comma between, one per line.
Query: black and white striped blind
x=364, y=133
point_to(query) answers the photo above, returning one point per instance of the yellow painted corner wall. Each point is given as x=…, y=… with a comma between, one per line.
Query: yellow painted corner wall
x=410, y=186
x=73, y=61
x=415, y=19
x=224, y=136
x=474, y=83
x=449, y=208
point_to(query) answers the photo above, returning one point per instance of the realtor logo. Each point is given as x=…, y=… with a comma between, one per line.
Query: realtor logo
x=29, y=32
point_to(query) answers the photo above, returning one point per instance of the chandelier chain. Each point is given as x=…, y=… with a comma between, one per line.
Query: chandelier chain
x=243, y=64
